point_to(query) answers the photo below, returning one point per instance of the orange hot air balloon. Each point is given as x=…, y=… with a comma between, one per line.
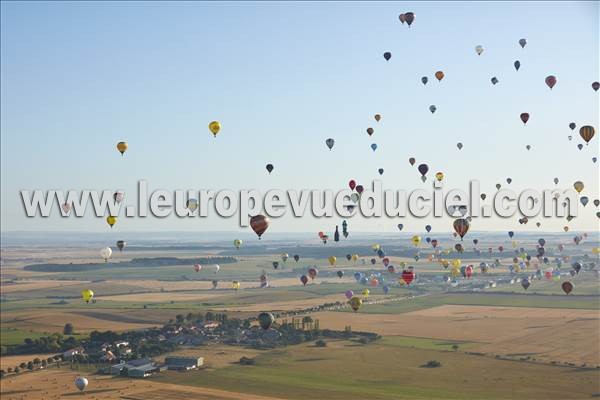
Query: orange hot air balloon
x=461, y=226
x=439, y=75
x=587, y=133
x=122, y=147
x=259, y=224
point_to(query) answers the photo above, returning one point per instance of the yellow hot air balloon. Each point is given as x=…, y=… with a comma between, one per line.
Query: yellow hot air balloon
x=595, y=250
x=110, y=220
x=439, y=176
x=514, y=243
x=366, y=293
x=235, y=285
x=445, y=263
x=455, y=272
x=456, y=263
x=402, y=264
x=87, y=295
x=578, y=186
x=332, y=260
x=237, y=243
x=376, y=247
x=354, y=257
x=214, y=127
x=122, y=147
x=416, y=240
x=401, y=281
x=355, y=303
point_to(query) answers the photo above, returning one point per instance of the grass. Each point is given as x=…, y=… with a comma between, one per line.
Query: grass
x=13, y=336
x=389, y=370
x=425, y=343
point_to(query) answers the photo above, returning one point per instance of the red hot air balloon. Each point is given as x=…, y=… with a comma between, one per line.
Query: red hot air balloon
x=461, y=227
x=259, y=224
x=525, y=117
x=352, y=184
x=408, y=276
x=550, y=81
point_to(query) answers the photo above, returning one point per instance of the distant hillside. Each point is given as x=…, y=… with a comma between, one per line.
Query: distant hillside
x=136, y=262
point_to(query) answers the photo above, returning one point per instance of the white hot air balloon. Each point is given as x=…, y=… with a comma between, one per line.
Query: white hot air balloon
x=81, y=382
x=479, y=49
x=106, y=253
x=217, y=268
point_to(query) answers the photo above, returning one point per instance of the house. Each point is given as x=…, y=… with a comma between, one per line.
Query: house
x=69, y=354
x=183, y=363
x=139, y=368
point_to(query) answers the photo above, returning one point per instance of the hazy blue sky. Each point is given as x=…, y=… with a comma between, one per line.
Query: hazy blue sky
x=79, y=77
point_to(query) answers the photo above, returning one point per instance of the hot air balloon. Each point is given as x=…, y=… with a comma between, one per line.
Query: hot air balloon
x=567, y=287
x=459, y=145
x=578, y=186
x=522, y=42
x=373, y=146
x=237, y=243
x=432, y=108
x=584, y=200
x=387, y=55
x=330, y=142
x=494, y=80
x=416, y=240
x=409, y=17
x=275, y=264
x=269, y=168
x=121, y=244
x=428, y=228
x=572, y=125
x=81, y=383
x=197, y=267
x=259, y=224
x=214, y=127
x=380, y=170
x=105, y=253
x=118, y=196
x=377, y=117
x=423, y=169
x=525, y=283
x=408, y=276
x=216, y=267
x=340, y=274
x=111, y=220
x=439, y=75
x=355, y=303
x=517, y=65
x=370, y=131
x=596, y=86
x=192, y=205
x=265, y=320
x=332, y=260
x=550, y=81
x=87, y=295
x=424, y=80
x=479, y=49
x=524, y=117
x=461, y=227
x=313, y=272
x=400, y=226
x=304, y=279
x=122, y=147
x=587, y=133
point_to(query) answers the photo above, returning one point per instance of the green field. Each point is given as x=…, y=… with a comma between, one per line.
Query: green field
x=390, y=370
x=12, y=336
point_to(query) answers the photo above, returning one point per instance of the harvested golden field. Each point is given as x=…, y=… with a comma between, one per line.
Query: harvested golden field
x=215, y=356
x=29, y=285
x=58, y=384
x=12, y=361
x=540, y=333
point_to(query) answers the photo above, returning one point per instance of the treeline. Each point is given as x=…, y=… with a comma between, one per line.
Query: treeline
x=46, y=344
x=135, y=263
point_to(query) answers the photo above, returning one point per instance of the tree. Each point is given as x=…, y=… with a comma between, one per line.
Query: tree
x=2, y=373
x=17, y=370
x=179, y=318
x=321, y=343
x=455, y=347
x=10, y=370
x=22, y=365
x=30, y=365
x=68, y=329
x=44, y=363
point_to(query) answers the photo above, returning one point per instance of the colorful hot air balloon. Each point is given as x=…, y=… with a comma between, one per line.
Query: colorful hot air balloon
x=461, y=227
x=265, y=320
x=87, y=295
x=259, y=224
x=237, y=243
x=214, y=127
x=122, y=147
x=408, y=276
x=355, y=303
x=550, y=81
x=416, y=240
x=587, y=133
x=111, y=220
